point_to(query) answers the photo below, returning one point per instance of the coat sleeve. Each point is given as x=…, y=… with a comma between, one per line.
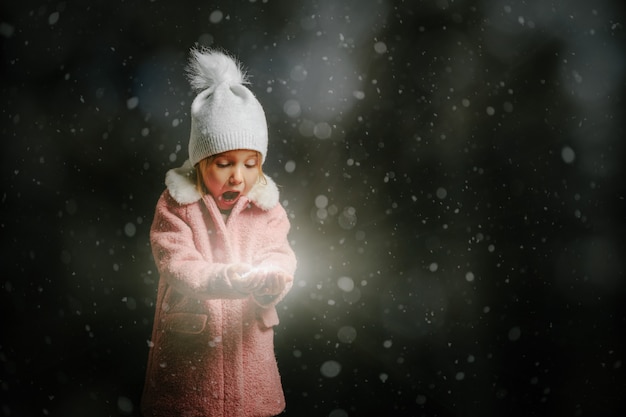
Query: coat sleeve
x=275, y=252
x=178, y=259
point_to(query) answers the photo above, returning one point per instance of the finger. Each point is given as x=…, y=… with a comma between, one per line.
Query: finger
x=278, y=284
x=255, y=282
x=269, y=282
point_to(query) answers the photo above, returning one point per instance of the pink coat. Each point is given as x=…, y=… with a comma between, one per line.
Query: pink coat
x=212, y=351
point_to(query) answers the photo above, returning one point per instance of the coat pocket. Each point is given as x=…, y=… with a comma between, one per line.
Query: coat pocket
x=186, y=323
x=268, y=317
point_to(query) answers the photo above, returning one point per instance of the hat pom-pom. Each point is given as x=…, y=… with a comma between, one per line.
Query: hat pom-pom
x=208, y=68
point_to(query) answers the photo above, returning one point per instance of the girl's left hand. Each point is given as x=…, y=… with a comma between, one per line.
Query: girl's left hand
x=274, y=283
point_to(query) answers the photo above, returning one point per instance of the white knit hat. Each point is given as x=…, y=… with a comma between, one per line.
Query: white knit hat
x=225, y=115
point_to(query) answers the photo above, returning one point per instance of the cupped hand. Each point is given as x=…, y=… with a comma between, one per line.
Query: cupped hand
x=244, y=279
x=274, y=283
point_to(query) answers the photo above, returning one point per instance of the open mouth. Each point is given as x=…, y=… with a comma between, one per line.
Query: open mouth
x=230, y=196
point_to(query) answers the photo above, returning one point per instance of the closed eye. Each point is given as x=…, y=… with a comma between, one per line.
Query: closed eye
x=223, y=163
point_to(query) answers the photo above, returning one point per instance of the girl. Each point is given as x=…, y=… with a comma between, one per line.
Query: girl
x=219, y=240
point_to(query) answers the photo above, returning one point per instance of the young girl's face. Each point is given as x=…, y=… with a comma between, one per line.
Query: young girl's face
x=230, y=175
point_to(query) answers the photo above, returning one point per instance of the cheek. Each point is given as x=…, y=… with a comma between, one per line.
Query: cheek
x=211, y=181
x=251, y=179
x=206, y=178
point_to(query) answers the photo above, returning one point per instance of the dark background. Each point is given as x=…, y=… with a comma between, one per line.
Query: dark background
x=453, y=170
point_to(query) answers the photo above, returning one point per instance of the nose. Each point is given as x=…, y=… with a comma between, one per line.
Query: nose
x=236, y=176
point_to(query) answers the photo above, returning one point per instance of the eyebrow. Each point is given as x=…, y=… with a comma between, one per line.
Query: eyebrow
x=251, y=155
x=229, y=155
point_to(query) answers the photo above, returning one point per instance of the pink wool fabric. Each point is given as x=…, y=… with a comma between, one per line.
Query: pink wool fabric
x=213, y=347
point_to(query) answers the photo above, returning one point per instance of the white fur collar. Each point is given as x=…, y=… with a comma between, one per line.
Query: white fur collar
x=181, y=183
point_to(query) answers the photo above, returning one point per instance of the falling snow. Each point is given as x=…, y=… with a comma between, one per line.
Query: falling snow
x=452, y=172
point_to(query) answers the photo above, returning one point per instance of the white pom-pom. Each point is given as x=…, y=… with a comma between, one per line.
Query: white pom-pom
x=209, y=67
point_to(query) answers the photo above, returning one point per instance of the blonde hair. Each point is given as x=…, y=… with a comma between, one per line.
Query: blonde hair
x=204, y=163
